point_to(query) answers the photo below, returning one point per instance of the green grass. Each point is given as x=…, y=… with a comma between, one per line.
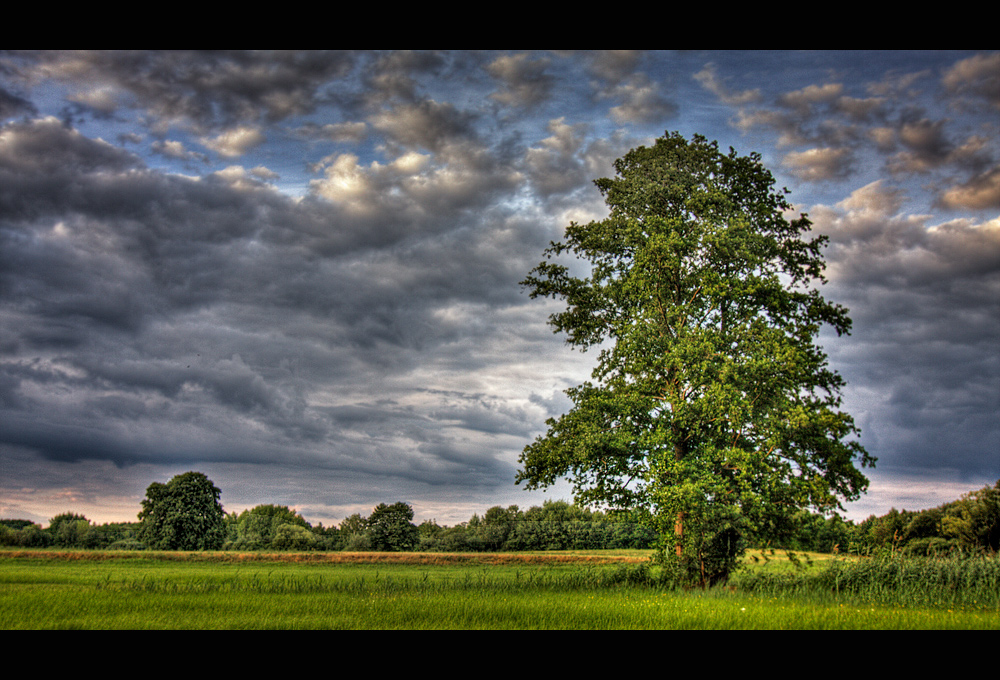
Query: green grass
x=951, y=582
x=170, y=591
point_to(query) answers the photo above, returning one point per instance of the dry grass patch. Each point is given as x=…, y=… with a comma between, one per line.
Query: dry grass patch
x=402, y=558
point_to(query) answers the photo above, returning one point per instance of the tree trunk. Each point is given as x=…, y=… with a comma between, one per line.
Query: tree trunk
x=679, y=453
x=679, y=534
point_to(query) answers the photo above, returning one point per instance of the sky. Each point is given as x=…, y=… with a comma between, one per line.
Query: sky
x=297, y=271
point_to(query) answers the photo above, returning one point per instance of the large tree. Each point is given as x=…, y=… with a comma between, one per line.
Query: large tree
x=183, y=514
x=712, y=408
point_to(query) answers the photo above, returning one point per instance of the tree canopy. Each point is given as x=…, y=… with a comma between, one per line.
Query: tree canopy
x=711, y=406
x=261, y=527
x=183, y=514
x=391, y=528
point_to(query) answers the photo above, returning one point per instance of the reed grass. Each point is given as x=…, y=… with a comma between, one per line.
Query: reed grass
x=946, y=581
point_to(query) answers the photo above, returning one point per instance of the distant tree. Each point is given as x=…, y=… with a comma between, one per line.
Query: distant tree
x=974, y=519
x=327, y=538
x=256, y=528
x=354, y=533
x=353, y=524
x=391, y=528
x=497, y=525
x=23, y=534
x=430, y=529
x=122, y=535
x=924, y=524
x=69, y=530
x=183, y=514
x=16, y=523
x=814, y=532
x=862, y=541
x=557, y=511
x=289, y=536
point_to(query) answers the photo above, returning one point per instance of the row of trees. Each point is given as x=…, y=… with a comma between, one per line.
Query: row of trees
x=70, y=530
x=555, y=525
x=186, y=514
x=970, y=524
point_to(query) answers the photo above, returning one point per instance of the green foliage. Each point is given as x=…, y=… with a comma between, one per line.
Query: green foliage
x=974, y=519
x=447, y=539
x=560, y=525
x=23, y=534
x=814, y=532
x=353, y=525
x=429, y=529
x=122, y=535
x=294, y=537
x=497, y=526
x=258, y=527
x=969, y=524
x=183, y=514
x=712, y=408
x=16, y=524
x=391, y=528
x=554, y=525
x=69, y=530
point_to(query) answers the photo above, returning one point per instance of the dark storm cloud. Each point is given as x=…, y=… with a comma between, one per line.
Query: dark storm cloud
x=925, y=300
x=11, y=105
x=204, y=88
x=525, y=82
x=195, y=318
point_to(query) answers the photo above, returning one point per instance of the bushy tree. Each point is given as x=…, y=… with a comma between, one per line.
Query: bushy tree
x=183, y=514
x=327, y=538
x=123, y=536
x=497, y=526
x=711, y=406
x=391, y=528
x=23, y=533
x=974, y=519
x=71, y=530
x=289, y=536
x=354, y=533
x=256, y=528
x=812, y=531
x=924, y=524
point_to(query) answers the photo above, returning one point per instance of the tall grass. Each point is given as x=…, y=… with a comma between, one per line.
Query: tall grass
x=373, y=581
x=968, y=581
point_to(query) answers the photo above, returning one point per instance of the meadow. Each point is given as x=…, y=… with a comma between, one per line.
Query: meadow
x=595, y=590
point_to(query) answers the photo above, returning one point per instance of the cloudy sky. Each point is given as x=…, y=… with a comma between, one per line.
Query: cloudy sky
x=297, y=271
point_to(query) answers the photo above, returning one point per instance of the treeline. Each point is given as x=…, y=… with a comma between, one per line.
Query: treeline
x=556, y=525
x=968, y=524
x=70, y=530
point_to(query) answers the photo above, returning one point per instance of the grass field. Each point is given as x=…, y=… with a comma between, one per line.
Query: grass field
x=579, y=591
